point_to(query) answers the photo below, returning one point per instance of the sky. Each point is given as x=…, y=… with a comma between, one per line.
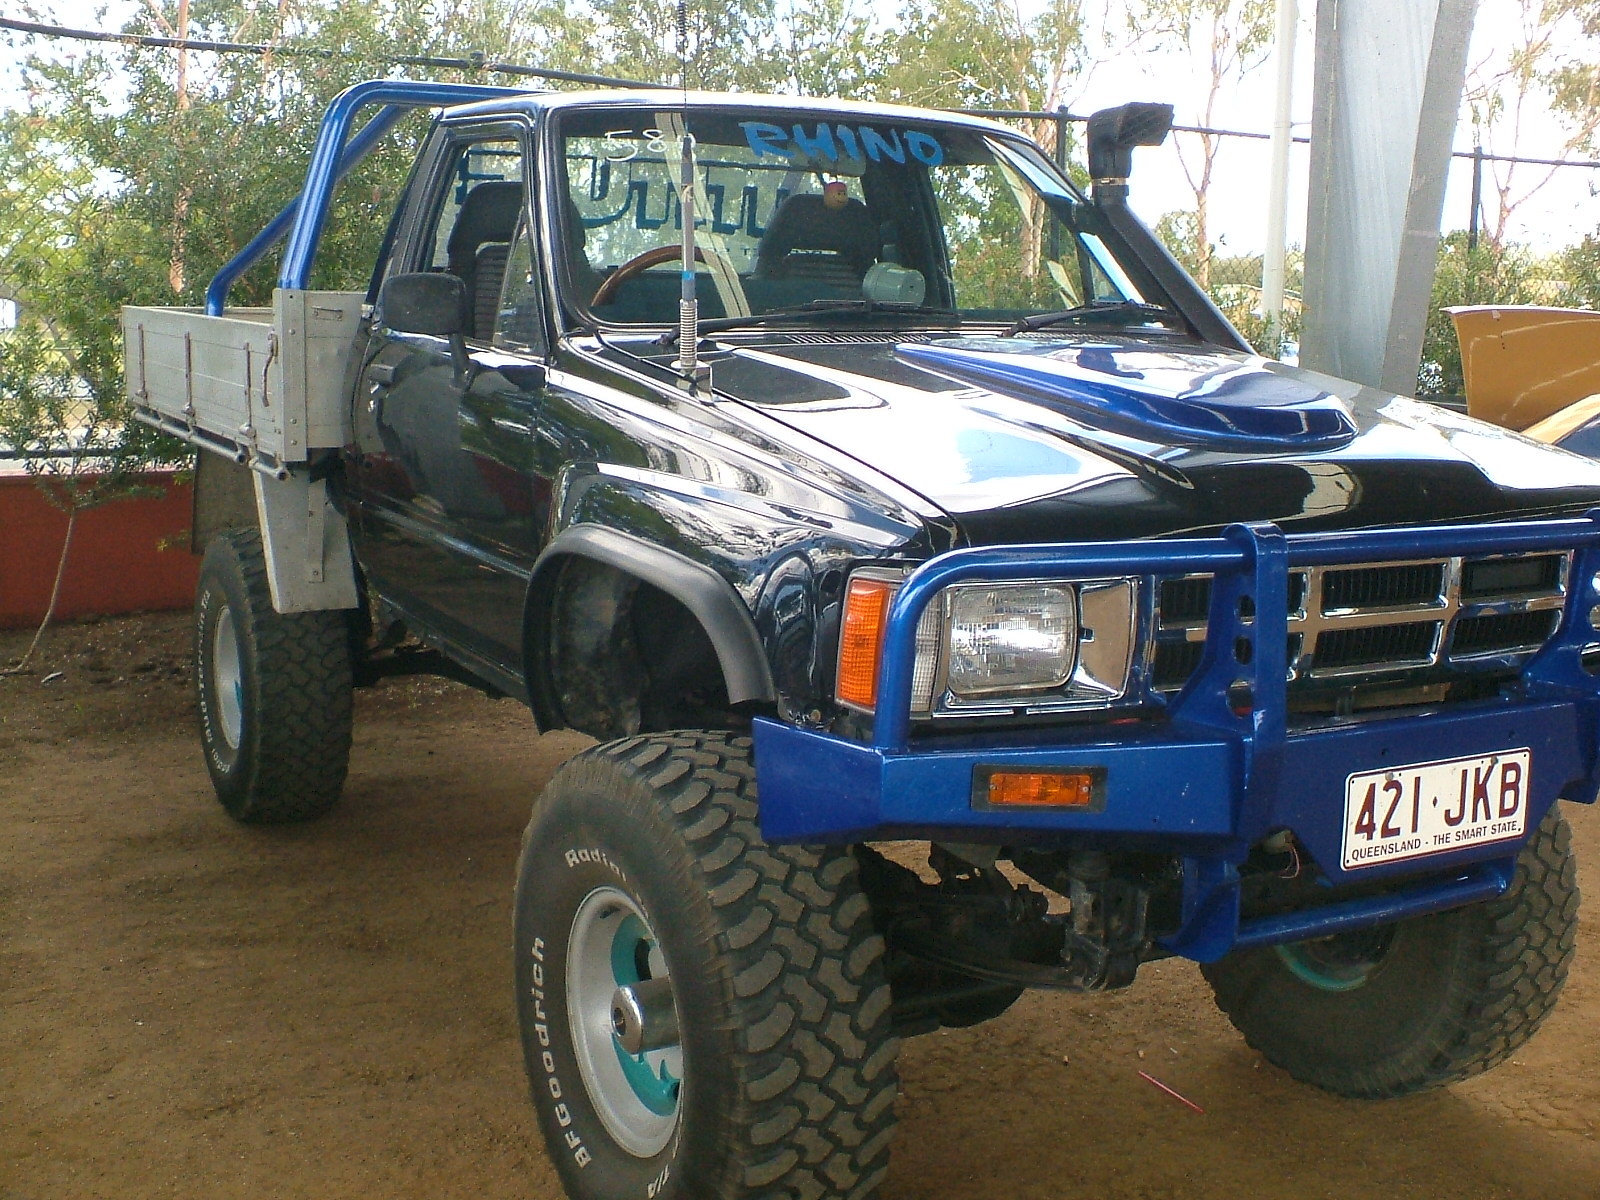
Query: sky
x=1557, y=216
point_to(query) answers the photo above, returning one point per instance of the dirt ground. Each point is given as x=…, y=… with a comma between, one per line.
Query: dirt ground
x=192, y=1008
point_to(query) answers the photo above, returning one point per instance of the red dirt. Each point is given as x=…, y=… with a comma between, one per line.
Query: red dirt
x=192, y=1008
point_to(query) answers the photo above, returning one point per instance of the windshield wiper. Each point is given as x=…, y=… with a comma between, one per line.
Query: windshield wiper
x=1119, y=312
x=813, y=309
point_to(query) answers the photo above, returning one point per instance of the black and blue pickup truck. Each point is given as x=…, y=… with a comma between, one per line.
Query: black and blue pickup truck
x=959, y=605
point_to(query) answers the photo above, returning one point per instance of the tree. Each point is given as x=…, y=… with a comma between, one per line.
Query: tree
x=988, y=54
x=1575, y=82
x=985, y=54
x=1231, y=38
x=130, y=175
x=829, y=48
x=1580, y=273
x=731, y=44
x=1235, y=283
x=1540, y=71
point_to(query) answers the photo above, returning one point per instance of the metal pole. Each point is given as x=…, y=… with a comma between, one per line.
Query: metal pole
x=1477, y=197
x=1061, y=161
x=1272, y=259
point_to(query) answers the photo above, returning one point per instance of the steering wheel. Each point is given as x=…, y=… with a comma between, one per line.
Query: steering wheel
x=637, y=265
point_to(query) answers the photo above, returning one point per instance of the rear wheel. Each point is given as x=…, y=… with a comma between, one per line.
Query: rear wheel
x=703, y=1016
x=1419, y=1003
x=274, y=691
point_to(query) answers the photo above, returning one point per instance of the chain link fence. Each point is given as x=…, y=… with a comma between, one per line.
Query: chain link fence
x=50, y=406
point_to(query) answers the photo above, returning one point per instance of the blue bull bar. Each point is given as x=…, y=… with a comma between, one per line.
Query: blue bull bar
x=1208, y=780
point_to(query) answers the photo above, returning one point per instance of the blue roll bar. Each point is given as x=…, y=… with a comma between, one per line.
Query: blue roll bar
x=335, y=155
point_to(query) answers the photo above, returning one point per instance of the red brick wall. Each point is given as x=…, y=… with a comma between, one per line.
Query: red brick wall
x=116, y=564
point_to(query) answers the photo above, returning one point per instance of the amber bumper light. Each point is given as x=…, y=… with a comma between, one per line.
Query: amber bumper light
x=1041, y=789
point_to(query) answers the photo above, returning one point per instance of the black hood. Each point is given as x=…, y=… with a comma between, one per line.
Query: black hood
x=1013, y=461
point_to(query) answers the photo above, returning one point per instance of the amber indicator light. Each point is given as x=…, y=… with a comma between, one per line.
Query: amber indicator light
x=1041, y=789
x=866, y=604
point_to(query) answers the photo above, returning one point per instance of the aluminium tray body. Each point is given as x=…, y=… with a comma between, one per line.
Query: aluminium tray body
x=264, y=386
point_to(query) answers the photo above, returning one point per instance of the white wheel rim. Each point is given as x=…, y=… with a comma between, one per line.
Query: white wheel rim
x=227, y=679
x=641, y=1112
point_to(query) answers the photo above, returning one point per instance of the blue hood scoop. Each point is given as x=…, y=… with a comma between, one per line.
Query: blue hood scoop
x=1188, y=397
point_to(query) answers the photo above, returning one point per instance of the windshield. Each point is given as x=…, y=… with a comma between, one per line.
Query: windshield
x=807, y=209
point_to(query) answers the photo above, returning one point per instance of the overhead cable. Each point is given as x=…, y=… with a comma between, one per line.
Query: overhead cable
x=477, y=61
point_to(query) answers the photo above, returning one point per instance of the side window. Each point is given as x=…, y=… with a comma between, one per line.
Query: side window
x=477, y=216
x=517, y=324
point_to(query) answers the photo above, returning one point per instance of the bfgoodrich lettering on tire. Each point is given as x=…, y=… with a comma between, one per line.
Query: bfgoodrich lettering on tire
x=1420, y=1003
x=704, y=1017
x=274, y=691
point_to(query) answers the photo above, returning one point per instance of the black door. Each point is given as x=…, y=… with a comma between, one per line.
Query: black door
x=452, y=502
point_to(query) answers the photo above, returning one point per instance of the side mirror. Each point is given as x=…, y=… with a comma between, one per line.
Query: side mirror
x=432, y=304
x=1114, y=132
x=424, y=302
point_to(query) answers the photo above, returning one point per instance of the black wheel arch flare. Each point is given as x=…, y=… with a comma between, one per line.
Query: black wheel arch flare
x=707, y=596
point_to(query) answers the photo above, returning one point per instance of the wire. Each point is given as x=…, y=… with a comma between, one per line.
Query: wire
x=477, y=61
x=1061, y=114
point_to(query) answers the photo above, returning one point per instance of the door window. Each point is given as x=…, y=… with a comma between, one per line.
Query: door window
x=517, y=325
x=476, y=221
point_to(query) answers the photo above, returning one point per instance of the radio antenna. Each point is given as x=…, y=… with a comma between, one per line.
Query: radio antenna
x=688, y=363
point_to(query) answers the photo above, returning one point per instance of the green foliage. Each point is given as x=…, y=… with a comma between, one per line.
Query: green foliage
x=1580, y=273
x=1180, y=233
x=42, y=397
x=1485, y=274
x=125, y=180
x=1235, y=284
x=1236, y=34
x=981, y=53
x=732, y=44
x=61, y=405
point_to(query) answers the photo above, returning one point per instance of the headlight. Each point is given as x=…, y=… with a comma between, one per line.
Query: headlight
x=982, y=649
x=1011, y=639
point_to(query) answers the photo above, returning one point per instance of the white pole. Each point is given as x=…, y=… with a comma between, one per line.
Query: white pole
x=1278, y=177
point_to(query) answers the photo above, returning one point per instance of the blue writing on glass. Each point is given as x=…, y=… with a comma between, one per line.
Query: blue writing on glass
x=924, y=148
x=878, y=147
x=763, y=138
x=819, y=145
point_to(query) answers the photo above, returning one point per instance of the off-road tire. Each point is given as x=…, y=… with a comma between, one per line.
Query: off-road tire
x=280, y=750
x=788, y=1062
x=1454, y=994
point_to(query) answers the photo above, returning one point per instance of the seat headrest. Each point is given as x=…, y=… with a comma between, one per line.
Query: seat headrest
x=804, y=222
x=488, y=215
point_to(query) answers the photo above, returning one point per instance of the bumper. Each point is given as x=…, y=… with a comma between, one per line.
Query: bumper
x=1206, y=783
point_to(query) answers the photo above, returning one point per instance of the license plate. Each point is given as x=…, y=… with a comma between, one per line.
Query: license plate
x=1431, y=808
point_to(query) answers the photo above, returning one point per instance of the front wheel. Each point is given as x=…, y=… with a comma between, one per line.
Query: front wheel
x=1420, y=1003
x=704, y=1017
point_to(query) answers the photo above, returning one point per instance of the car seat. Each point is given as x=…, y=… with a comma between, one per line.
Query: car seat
x=479, y=246
x=809, y=240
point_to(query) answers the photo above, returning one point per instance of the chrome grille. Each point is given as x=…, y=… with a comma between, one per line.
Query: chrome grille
x=1380, y=619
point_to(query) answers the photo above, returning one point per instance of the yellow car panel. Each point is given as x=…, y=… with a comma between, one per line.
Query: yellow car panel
x=1522, y=363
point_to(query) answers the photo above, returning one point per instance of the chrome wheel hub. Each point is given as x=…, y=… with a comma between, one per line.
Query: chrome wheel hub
x=227, y=678
x=624, y=1021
